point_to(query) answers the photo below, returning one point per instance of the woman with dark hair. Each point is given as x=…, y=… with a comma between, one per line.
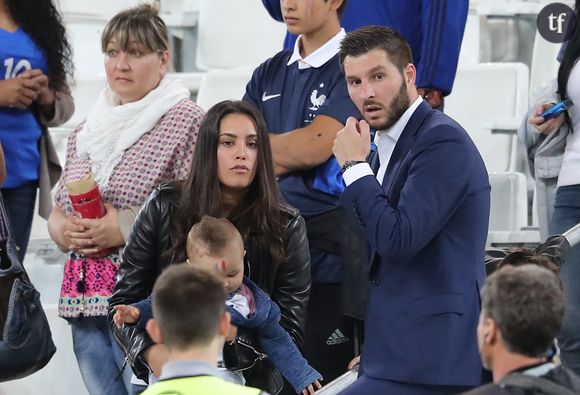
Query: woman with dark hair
x=232, y=177
x=140, y=132
x=35, y=61
x=554, y=146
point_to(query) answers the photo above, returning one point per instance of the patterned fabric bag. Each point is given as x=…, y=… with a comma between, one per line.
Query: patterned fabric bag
x=87, y=285
x=25, y=340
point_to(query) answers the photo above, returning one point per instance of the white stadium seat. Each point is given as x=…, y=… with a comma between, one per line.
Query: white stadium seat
x=488, y=100
x=218, y=85
x=236, y=33
x=509, y=210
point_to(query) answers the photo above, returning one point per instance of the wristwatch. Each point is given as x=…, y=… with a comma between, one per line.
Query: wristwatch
x=350, y=163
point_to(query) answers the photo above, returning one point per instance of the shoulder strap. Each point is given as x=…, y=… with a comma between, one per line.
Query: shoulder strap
x=533, y=382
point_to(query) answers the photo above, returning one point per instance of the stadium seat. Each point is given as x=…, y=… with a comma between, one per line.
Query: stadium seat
x=218, y=85
x=544, y=65
x=488, y=100
x=235, y=33
x=508, y=218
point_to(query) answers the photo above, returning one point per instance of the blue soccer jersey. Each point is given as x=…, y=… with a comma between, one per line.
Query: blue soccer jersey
x=19, y=129
x=290, y=96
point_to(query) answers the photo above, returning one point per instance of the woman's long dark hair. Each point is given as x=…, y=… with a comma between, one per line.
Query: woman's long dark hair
x=569, y=59
x=258, y=216
x=42, y=22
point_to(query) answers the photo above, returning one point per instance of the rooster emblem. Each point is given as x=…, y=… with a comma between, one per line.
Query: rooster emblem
x=316, y=100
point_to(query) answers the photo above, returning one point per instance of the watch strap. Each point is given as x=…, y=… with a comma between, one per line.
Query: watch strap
x=350, y=163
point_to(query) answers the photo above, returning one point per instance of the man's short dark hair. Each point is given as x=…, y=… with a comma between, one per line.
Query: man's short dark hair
x=368, y=38
x=188, y=305
x=527, y=304
x=213, y=233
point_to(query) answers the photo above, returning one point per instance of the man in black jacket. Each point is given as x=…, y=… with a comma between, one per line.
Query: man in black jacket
x=522, y=311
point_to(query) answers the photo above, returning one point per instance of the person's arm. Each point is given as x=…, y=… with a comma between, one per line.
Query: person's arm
x=60, y=225
x=145, y=312
x=61, y=109
x=283, y=352
x=291, y=289
x=443, y=24
x=59, y=222
x=306, y=147
x=96, y=235
x=2, y=166
x=137, y=273
x=530, y=133
x=125, y=220
x=297, y=149
x=311, y=145
x=437, y=183
x=18, y=93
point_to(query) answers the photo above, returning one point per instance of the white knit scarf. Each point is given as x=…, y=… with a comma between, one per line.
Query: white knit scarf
x=111, y=128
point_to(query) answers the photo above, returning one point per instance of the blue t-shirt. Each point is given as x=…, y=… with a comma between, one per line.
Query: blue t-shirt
x=19, y=129
x=290, y=98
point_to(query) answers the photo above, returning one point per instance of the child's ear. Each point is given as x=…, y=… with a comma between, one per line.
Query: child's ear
x=153, y=331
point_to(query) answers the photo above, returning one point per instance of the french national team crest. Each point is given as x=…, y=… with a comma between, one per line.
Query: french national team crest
x=317, y=99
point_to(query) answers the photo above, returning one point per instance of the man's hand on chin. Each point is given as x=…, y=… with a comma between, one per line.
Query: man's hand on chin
x=353, y=142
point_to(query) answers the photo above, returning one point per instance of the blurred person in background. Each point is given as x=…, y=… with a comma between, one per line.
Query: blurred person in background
x=554, y=153
x=35, y=62
x=2, y=166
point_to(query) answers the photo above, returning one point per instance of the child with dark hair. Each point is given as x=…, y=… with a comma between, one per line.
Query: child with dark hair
x=216, y=246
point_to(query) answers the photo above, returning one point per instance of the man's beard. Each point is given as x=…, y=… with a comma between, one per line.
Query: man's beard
x=398, y=106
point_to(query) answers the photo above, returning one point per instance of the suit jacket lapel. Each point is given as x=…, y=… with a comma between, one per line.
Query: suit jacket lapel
x=401, y=148
x=374, y=162
x=404, y=144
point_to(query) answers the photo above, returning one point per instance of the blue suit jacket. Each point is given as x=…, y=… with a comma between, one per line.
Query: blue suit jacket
x=426, y=228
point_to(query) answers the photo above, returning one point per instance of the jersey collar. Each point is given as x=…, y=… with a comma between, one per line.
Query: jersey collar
x=319, y=57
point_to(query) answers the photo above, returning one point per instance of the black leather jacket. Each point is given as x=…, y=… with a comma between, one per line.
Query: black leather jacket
x=145, y=256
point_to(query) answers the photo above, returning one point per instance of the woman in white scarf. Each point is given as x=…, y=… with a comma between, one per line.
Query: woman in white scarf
x=141, y=132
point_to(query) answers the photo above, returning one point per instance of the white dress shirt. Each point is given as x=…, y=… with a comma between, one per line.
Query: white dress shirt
x=385, y=140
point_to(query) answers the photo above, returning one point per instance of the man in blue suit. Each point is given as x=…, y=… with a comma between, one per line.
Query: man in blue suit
x=423, y=206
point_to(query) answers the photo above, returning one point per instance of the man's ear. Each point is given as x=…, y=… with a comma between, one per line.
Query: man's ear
x=225, y=324
x=335, y=4
x=490, y=331
x=153, y=331
x=410, y=74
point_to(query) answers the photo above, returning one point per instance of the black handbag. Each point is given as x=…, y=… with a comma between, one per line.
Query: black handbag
x=25, y=340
